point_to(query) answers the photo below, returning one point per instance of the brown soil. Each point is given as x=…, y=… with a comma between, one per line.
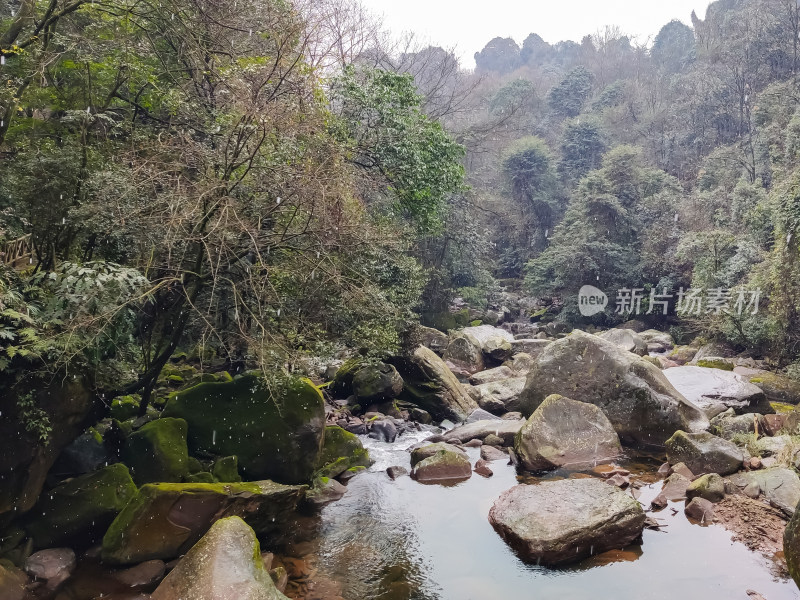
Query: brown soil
x=756, y=524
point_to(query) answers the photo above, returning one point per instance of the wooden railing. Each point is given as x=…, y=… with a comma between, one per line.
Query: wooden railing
x=17, y=253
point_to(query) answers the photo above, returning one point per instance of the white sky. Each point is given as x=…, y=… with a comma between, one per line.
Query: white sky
x=469, y=25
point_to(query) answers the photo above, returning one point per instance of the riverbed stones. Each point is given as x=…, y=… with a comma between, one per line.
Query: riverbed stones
x=627, y=339
x=709, y=486
x=583, y=517
x=443, y=466
x=492, y=453
x=53, y=566
x=657, y=341
x=674, y=489
x=641, y=404
x=504, y=429
x=164, y=520
x=701, y=510
x=275, y=431
x=432, y=386
x=706, y=387
x=780, y=486
x=341, y=451
x=224, y=565
x=481, y=415
x=324, y=491
x=423, y=451
x=704, y=453
x=78, y=511
x=563, y=432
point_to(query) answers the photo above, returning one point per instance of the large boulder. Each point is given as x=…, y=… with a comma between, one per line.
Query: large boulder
x=157, y=452
x=224, y=565
x=432, y=386
x=494, y=343
x=377, y=382
x=558, y=522
x=777, y=387
x=501, y=396
x=465, y=353
x=77, y=512
x=443, y=466
x=433, y=339
x=627, y=339
x=275, y=431
x=424, y=451
x=704, y=453
x=644, y=408
x=24, y=460
x=480, y=430
x=164, y=520
x=341, y=451
x=566, y=433
x=780, y=486
x=728, y=424
x=706, y=387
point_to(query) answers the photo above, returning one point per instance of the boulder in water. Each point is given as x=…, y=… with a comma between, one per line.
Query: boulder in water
x=641, y=404
x=566, y=433
x=224, y=565
x=376, y=383
x=558, y=522
x=443, y=466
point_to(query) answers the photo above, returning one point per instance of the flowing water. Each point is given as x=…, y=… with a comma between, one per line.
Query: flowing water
x=401, y=540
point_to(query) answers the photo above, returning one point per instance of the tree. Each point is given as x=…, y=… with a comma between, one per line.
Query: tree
x=500, y=55
x=582, y=147
x=568, y=97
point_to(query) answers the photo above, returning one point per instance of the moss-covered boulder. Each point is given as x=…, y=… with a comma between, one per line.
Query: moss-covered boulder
x=276, y=431
x=444, y=466
x=226, y=470
x=376, y=383
x=164, y=520
x=341, y=451
x=77, y=513
x=158, y=451
x=777, y=387
x=125, y=407
x=224, y=565
x=342, y=384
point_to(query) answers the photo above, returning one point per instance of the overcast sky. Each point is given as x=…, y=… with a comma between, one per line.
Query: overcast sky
x=469, y=25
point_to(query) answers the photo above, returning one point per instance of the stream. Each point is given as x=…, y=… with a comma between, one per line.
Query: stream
x=401, y=540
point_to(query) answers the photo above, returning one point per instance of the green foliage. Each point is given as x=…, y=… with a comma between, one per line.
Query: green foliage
x=582, y=147
x=568, y=97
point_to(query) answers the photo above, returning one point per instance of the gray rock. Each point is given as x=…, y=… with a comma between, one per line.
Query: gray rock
x=484, y=333
x=704, y=387
x=627, y=339
x=481, y=415
x=674, y=489
x=641, y=404
x=375, y=383
x=728, y=424
x=710, y=486
x=481, y=429
x=520, y=364
x=432, y=386
x=12, y=582
x=566, y=433
x=490, y=375
x=433, y=339
x=492, y=453
x=224, y=565
x=500, y=396
x=465, y=353
x=791, y=546
x=704, y=453
x=53, y=566
x=443, y=466
x=713, y=350
x=497, y=349
x=143, y=574
x=325, y=491
x=777, y=387
x=533, y=347
x=583, y=517
x=383, y=430
x=396, y=471
x=700, y=510
x=660, y=341
x=423, y=451
x=780, y=486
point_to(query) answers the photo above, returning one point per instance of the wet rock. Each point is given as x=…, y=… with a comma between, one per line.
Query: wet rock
x=87, y=453
x=443, y=466
x=584, y=517
x=275, y=433
x=506, y=430
x=700, y=510
x=163, y=520
x=780, y=486
x=341, y=451
x=710, y=486
x=54, y=566
x=324, y=491
x=224, y=565
x=705, y=387
x=396, y=471
x=777, y=387
x=626, y=339
x=500, y=396
x=566, y=433
x=143, y=574
x=226, y=470
x=664, y=469
x=674, y=489
x=376, y=383
x=383, y=430
x=78, y=511
x=481, y=415
x=430, y=385
x=492, y=453
x=482, y=468
x=490, y=375
x=420, y=416
x=641, y=404
x=424, y=450
x=12, y=582
x=464, y=352
x=704, y=453
x=158, y=452
x=657, y=341
x=619, y=480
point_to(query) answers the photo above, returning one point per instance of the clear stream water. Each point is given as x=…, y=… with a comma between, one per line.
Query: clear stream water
x=393, y=540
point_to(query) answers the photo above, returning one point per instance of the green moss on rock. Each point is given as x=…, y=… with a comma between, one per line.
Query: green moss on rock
x=226, y=470
x=715, y=363
x=125, y=407
x=76, y=513
x=158, y=451
x=275, y=434
x=341, y=450
x=201, y=477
